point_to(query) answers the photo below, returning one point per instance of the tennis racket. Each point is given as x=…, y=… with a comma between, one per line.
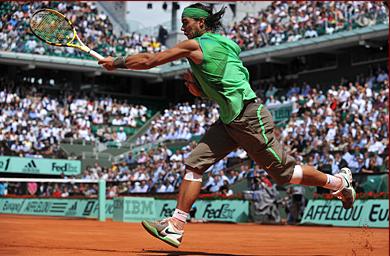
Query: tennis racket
x=55, y=29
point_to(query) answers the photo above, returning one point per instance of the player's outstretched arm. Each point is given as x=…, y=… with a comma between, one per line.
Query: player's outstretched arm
x=185, y=49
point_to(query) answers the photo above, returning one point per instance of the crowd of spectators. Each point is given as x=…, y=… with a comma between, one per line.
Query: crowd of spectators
x=33, y=123
x=94, y=29
x=158, y=170
x=280, y=22
x=345, y=125
x=182, y=121
x=288, y=21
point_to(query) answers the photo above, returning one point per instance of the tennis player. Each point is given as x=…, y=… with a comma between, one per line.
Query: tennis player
x=218, y=74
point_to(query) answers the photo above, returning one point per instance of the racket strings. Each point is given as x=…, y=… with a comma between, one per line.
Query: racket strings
x=52, y=28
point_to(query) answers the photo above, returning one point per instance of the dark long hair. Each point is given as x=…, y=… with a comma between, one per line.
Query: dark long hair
x=213, y=21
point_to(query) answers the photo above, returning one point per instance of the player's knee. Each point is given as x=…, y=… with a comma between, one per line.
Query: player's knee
x=297, y=175
x=193, y=174
x=282, y=173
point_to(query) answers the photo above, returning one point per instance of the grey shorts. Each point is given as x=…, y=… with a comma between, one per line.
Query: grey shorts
x=253, y=130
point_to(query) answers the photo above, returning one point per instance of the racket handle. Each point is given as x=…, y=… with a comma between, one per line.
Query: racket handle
x=95, y=55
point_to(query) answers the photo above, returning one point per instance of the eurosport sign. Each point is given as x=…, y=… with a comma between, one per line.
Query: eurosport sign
x=10, y=164
x=370, y=213
x=82, y=208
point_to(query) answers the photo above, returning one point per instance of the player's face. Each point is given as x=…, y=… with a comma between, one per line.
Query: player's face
x=192, y=28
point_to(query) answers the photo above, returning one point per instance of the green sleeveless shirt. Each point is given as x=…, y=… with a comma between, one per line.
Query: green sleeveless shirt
x=222, y=76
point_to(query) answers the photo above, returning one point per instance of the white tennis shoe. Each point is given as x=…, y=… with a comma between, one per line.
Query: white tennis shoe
x=165, y=231
x=347, y=193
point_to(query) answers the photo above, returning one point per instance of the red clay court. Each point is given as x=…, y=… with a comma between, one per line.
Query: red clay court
x=52, y=236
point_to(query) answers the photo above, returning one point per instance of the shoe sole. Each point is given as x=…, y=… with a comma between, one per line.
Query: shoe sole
x=153, y=231
x=350, y=201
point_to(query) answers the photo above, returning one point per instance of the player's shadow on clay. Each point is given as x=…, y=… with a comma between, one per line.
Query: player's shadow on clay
x=187, y=253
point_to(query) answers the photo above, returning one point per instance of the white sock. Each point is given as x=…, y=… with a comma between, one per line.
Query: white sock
x=297, y=175
x=180, y=215
x=333, y=183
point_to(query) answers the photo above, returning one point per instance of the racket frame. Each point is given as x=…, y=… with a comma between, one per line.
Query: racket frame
x=81, y=45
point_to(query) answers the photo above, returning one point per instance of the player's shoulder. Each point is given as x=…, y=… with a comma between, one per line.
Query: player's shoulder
x=189, y=44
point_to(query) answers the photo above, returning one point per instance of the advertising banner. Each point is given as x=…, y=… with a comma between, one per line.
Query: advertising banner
x=164, y=208
x=127, y=209
x=223, y=210
x=211, y=210
x=10, y=164
x=83, y=208
x=133, y=209
x=369, y=213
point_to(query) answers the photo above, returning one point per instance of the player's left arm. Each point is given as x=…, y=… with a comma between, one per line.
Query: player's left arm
x=185, y=49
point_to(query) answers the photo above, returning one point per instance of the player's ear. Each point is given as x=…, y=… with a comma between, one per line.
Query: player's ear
x=202, y=23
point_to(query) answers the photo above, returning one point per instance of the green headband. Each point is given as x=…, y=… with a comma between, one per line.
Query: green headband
x=194, y=13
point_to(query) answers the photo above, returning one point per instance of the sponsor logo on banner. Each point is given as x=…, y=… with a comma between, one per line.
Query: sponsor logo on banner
x=31, y=167
x=38, y=207
x=139, y=207
x=39, y=166
x=54, y=207
x=64, y=168
x=216, y=210
x=131, y=209
x=59, y=207
x=325, y=212
x=166, y=211
x=378, y=213
x=72, y=210
x=223, y=212
x=4, y=164
x=11, y=206
x=371, y=213
x=88, y=209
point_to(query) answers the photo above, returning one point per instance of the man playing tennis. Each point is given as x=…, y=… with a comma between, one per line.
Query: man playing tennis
x=218, y=74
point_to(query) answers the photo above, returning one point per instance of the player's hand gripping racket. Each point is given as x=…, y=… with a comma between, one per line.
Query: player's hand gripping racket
x=55, y=29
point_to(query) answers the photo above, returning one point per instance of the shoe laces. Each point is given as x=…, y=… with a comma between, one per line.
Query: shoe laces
x=338, y=193
x=166, y=220
x=170, y=220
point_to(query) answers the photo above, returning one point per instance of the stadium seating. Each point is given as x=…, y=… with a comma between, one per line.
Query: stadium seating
x=280, y=22
x=43, y=125
x=287, y=21
x=326, y=134
x=94, y=28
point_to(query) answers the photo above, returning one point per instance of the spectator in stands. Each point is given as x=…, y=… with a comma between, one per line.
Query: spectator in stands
x=130, y=159
x=177, y=157
x=121, y=135
x=169, y=187
x=3, y=189
x=216, y=184
x=144, y=187
x=161, y=187
x=112, y=191
x=224, y=190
